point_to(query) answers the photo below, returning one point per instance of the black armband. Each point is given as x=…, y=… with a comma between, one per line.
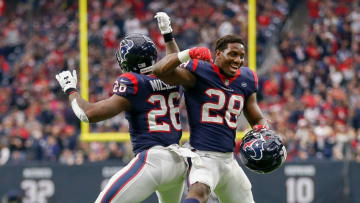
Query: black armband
x=70, y=91
x=168, y=37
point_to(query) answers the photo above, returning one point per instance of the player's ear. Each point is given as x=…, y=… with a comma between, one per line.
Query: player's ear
x=217, y=53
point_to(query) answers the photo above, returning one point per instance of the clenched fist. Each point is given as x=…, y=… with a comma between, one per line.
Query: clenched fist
x=201, y=53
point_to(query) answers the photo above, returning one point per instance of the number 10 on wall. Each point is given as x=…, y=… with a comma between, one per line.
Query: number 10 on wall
x=299, y=190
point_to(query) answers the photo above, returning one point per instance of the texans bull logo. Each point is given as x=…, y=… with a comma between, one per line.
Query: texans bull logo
x=255, y=148
x=125, y=45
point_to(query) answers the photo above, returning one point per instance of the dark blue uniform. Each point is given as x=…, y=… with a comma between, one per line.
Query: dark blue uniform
x=214, y=104
x=154, y=116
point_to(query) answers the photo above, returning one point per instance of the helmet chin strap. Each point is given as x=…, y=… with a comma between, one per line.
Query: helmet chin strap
x=146, y=70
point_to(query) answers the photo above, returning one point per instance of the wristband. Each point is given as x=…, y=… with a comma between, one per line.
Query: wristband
x=184, y=56
x=78, y=111
x=70, y=91
x=168, y=37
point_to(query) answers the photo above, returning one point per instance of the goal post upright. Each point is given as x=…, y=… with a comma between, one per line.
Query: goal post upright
x=84, y=71
x=252, y=34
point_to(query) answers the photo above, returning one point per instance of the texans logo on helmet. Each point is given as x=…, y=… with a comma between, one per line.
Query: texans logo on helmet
x=255, y=147
x=148, y=39
x=125, y=46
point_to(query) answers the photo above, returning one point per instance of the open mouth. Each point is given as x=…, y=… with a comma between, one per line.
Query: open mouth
x=234, y=68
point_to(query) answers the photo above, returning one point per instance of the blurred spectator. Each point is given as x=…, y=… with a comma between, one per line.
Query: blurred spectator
x=14, y=196
x=325, y=76
x=4, y=151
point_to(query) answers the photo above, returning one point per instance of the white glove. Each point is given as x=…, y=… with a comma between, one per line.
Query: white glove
x=67, y=81
x=163, y=22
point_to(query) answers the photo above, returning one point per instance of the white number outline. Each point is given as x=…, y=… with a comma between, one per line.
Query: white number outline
x=175, y=120
x=231, y=110
x=219, y=105
x=165, y=105
x=118, y=87
x=205, y=108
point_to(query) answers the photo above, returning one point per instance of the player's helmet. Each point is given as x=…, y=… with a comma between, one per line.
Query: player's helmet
x=262, y=151
x=136, y=53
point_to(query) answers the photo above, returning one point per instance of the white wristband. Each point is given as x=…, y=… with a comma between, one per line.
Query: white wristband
x=78, y=111
x=184, y=56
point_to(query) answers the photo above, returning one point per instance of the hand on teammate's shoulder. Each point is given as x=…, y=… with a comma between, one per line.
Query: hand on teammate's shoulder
x=201, y=53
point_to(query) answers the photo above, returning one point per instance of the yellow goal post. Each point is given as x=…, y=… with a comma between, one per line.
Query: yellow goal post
x=88, y=136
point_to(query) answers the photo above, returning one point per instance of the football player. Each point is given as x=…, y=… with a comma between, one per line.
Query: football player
x=215, y=95
x=152, y=109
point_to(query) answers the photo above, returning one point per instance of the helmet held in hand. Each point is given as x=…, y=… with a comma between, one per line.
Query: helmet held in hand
x=262, y=151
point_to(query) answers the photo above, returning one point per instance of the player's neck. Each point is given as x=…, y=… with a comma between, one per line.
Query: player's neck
x=223, y=73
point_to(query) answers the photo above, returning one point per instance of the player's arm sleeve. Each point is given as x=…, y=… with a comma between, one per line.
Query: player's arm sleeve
x=191, y=65
x=251, y=82
x=126, y=85
x=254, y=81
x=252, y=110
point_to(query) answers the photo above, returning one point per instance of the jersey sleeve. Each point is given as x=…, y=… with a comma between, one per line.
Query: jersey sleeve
x=191, y=65
x=255, y=81
x=252, y=81
x=126, y=85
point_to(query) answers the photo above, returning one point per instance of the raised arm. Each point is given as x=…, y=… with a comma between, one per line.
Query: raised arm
x=101, y=110
x=168, y=70
x=164, y=24
x=86, y=111
x=176, y=77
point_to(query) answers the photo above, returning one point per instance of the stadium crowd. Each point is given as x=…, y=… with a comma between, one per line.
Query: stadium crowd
x=313, y=94
x=311, y=97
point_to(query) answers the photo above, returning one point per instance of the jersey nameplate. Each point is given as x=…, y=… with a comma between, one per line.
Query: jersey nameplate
x=158, y=85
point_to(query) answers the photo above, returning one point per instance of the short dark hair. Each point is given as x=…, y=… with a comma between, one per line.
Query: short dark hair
x=222, y=42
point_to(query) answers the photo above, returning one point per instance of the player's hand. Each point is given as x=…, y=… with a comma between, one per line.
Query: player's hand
x=67, y=80
x=259, y=128
x=163, y=22
x=201, y=53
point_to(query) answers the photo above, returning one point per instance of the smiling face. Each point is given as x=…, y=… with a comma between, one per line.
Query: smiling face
x=231, y=58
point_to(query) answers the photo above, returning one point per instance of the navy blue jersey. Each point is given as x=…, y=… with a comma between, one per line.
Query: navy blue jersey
x=214, y=104
x=154, y=116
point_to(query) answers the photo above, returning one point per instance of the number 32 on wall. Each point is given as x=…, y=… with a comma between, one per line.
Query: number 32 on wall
x=37, y=191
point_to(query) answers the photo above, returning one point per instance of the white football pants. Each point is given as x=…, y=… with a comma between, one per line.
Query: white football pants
x=224, y=176
x=160, y=169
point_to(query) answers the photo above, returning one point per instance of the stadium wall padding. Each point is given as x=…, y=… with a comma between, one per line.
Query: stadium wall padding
x=295, y=182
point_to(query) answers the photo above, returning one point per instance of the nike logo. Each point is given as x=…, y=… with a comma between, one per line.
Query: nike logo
x=122, y=80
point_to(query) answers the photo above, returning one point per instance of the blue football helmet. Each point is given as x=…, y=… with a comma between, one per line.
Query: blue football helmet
x=136, y=53
x=262, y=151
